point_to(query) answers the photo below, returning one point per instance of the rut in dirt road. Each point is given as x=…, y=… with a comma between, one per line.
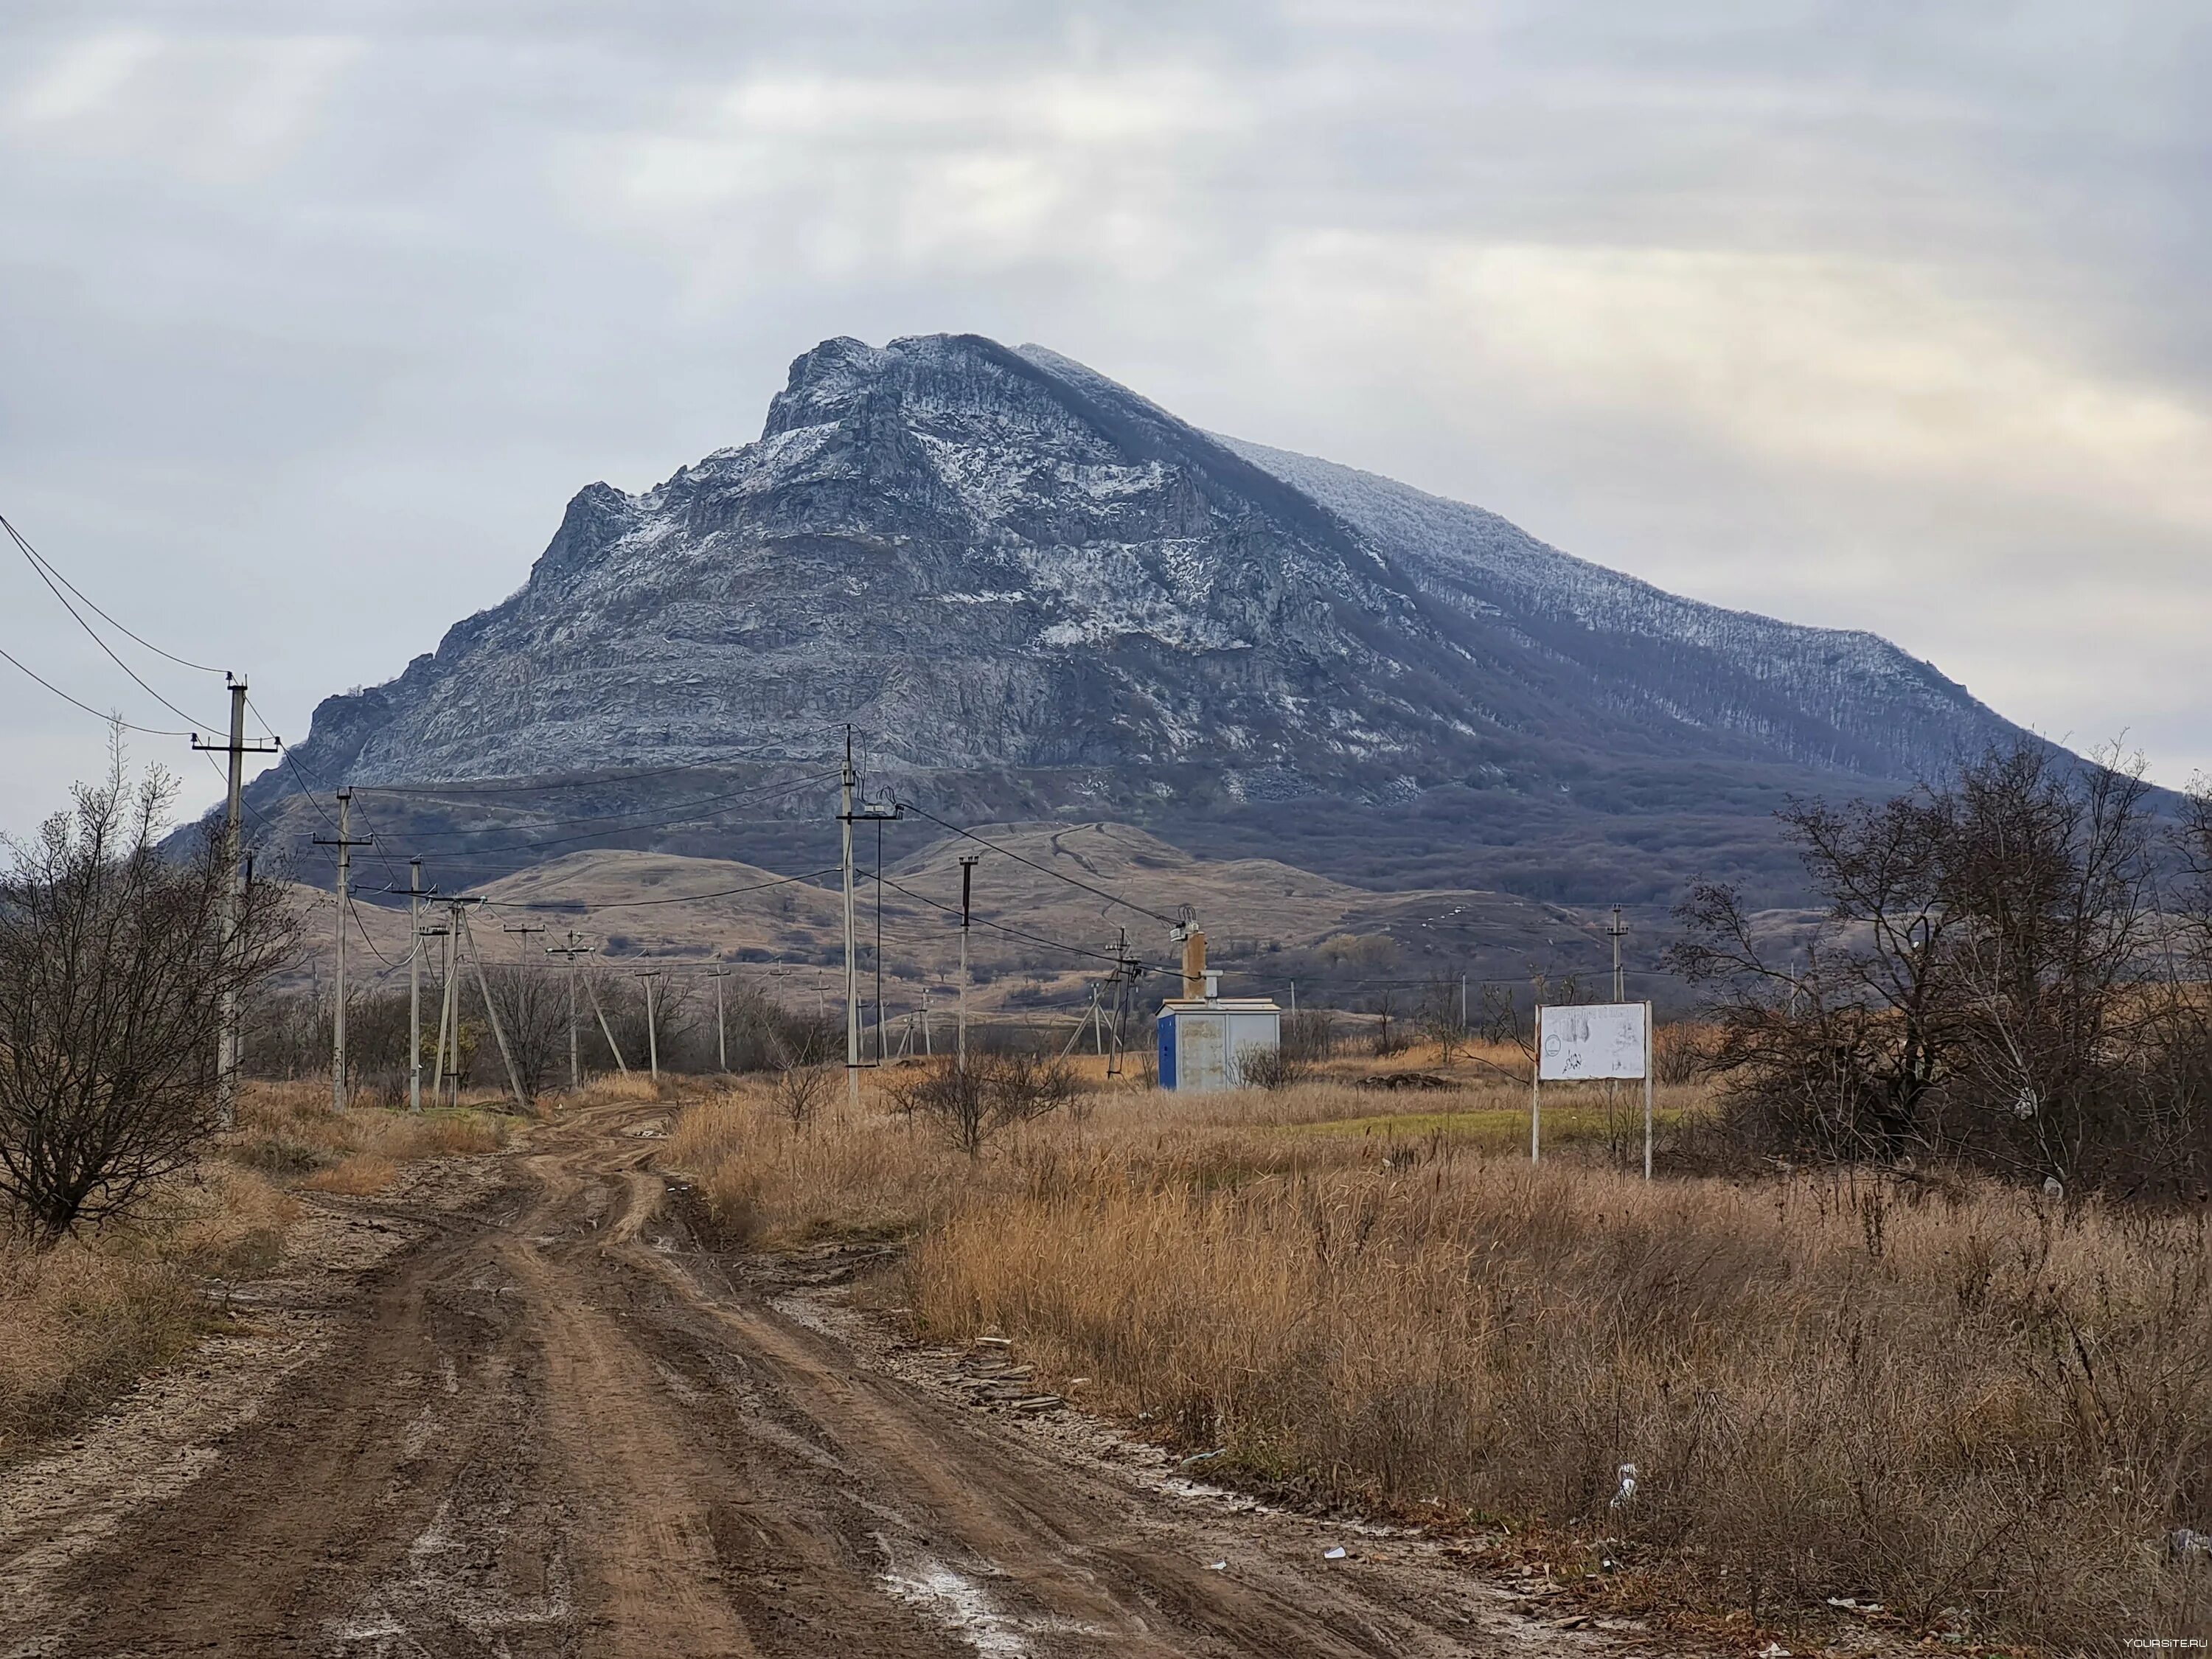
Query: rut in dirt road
x=553, y=1426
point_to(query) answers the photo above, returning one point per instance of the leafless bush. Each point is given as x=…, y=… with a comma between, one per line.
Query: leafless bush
x=994, y=1092
x=533, y=1016
x=1388, y=1040
x=1993, y=982
x=1310, y=1034
x=801, y=1092
x=1443, y=1014
x=1271, y=1069
x=114, y=964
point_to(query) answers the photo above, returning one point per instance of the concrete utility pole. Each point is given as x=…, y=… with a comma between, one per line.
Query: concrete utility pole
x=1617, y=930
x=607, y=1031
x=721, y=1033
x=572, y=950
x=450, y=1009
x=652, y=1034
x=498, y=1031
x=414, y=985
x=967, y=891
x=525, y=929
x=846, y=780
x=227, y=1051
x=345, y=844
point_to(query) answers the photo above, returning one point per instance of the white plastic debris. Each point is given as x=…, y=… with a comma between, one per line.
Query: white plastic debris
x=1774, y=1650
x=2185, y=1542
x=2025, y=1104
x=1335, y=1552
x=2053, y=1188
x=1204, y=1457
x=1217, y=1566
x=1620, y=1499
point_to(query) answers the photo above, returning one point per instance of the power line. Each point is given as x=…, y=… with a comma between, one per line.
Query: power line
x=42, y=563
x=669, y=898
x=575, y=783
x=646, y=822
x=92, y=633
x=1034, y=938
x=113, y=719
x=1127, y=904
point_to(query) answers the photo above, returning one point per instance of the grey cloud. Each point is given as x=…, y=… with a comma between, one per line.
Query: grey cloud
x=317, y=314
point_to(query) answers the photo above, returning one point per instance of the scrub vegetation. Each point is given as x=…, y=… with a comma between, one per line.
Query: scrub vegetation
x=1986, y=1409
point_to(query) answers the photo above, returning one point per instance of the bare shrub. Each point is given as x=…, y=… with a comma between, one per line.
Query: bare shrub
x=801, y=1092
x=1993, y=983
x=1271, y=1069
x=1309, y=1034
x=115, y=960
x=994, y=1092
x=1443, y=1014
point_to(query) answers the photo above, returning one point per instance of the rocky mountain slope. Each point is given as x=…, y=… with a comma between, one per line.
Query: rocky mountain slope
x=1030, y=590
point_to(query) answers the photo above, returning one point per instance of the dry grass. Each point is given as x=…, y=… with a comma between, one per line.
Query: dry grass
x=357, y=1177
x=290, y=1131
x=1945, y=1397
x=81, y=1323
x=81, y=1326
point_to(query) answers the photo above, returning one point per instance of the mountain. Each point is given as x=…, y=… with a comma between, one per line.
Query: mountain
x=1031, y=591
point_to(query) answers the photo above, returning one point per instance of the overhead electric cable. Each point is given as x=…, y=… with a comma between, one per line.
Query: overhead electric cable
x=92, y=633
x=576, y=783
x=668, y=898
x=1126, y=904
x=47, y=565
x=113, y=719
x=1034, y=938
x=645, y=815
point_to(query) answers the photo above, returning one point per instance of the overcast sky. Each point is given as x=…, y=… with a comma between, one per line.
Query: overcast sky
x=313, y=317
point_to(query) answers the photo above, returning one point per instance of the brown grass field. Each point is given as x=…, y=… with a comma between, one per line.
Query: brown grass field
x=1985, y=1411
x=81, y=1323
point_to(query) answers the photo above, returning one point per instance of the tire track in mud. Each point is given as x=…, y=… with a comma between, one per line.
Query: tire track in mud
x=554, y=1425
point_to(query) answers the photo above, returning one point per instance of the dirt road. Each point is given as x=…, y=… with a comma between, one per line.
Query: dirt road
x=552, y=1423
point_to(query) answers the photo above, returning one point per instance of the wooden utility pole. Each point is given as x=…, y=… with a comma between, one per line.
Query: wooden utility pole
x=345, y=843
x=227, y=1051
x=572, y=950
x=1617, y=930
x=968, y=861
x=525, y=929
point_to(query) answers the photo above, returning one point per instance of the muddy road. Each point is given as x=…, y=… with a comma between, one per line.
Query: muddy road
x=550, y=1423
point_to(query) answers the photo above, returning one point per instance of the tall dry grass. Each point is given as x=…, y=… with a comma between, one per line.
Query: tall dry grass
x=1948, y=1397
x=288, y=1131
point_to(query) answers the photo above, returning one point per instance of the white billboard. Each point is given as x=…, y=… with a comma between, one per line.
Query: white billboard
x=1600, y=1040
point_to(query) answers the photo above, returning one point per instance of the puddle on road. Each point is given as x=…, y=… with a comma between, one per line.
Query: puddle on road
x=443, y=1582
x=956, y=1602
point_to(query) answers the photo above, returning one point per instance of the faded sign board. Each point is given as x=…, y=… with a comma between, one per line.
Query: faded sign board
x=1598, y=1040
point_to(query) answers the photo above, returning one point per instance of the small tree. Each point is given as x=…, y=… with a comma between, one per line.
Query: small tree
x=533, y=1016
x=1444, y=1016
x=994, y=1092
x=115, y=960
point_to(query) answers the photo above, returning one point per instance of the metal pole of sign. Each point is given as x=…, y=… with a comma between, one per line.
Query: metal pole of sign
x=1650, y=1047
x=1536, y=1093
